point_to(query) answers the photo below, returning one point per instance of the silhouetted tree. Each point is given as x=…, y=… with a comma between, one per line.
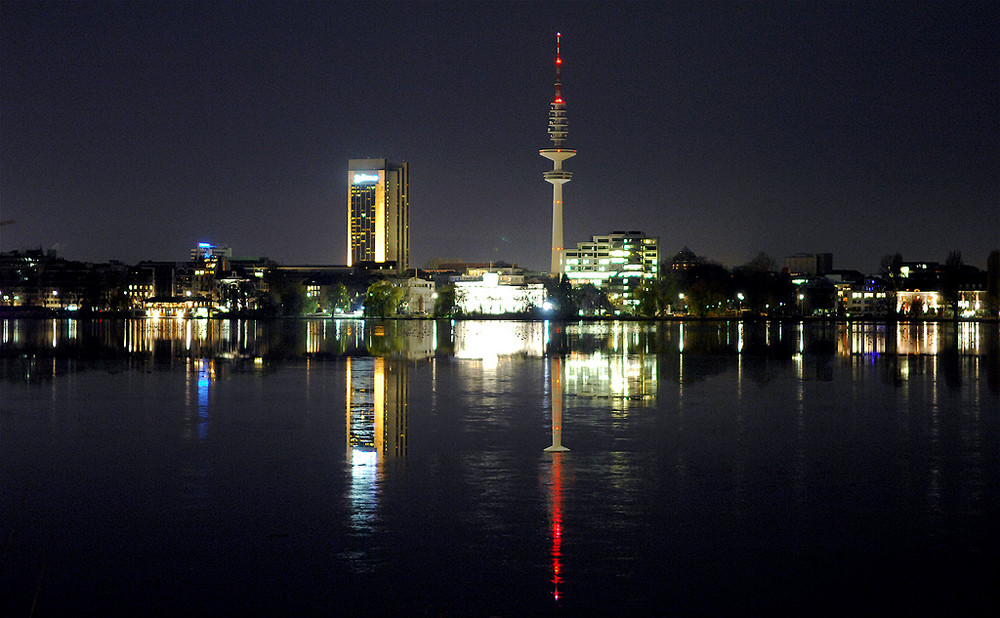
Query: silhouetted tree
x=337, y=298
x=648, y=295
x=761, y=263
x=759, y=284
x=592, y=300
x=562, y=297
x=445, y=305
x=993, y=284
x=892, y=270
x=951, y=281
x=286, y=296
x=706, y=288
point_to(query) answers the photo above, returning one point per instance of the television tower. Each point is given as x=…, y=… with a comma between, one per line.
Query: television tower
x=557, y=176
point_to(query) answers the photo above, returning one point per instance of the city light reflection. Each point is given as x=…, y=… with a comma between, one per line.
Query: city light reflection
x=556, y=522
x=377, y=401
x=490, y=340
x=206, y=373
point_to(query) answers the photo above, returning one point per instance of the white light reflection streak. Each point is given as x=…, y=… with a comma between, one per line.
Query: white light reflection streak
x=739, y=360
x=365, y=391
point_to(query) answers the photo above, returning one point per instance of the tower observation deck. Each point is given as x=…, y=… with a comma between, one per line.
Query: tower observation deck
x=557, y=176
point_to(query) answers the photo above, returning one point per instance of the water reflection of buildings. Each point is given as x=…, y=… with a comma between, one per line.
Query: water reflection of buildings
x=620, y=361
x=55, y=333
x=377, y=406
x=621, y=367
x=377, y=411
x=203, y=338
x=201, y=373
x=490, y=340
x=912, y=338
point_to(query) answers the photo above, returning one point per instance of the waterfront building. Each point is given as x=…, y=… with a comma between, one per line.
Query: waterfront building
x=378, y=213
x=488, y=296
x=618, y=263
x=867, y=298
x=208, y=264
x=140, y=284
x=178, y=307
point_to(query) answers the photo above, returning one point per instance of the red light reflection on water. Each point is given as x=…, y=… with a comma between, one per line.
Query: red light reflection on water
x=555, y=493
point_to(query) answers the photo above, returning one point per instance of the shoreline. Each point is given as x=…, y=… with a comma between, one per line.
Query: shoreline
x=51, y=314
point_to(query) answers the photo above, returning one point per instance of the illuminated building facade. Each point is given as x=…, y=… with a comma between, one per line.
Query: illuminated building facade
x=557, y=176
x=487, y=295
x=867, y=298
x=618, y=262
x=378, y=213
x=209, y=253
x=209, y=262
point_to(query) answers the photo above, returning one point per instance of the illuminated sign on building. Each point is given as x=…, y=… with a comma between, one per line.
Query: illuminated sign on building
x=365, y=178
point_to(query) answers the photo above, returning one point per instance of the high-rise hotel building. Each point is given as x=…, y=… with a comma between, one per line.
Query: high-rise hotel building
x=378, y=213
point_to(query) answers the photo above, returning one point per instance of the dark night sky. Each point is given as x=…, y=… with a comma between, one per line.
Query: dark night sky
x=133, y=131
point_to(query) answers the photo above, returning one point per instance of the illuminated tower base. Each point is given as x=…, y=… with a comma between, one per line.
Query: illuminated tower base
x=558, y=177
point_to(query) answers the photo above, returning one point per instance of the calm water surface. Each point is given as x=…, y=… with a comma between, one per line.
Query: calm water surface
x=320, y=467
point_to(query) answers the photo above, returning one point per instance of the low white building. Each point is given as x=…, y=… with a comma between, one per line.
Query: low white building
x=419, y=296
x=489, y=296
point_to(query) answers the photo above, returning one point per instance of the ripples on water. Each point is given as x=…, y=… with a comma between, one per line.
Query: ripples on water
x=304, y=467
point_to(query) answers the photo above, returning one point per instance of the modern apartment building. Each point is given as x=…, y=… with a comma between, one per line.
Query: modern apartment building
x=617, y=262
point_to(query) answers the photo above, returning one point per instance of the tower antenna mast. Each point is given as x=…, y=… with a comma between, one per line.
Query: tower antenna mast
x=557, y=176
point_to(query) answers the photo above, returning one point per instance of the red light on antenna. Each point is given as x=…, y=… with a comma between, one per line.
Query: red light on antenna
x=558, y=60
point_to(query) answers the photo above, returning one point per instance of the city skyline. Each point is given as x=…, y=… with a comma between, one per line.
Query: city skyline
x=730, y=128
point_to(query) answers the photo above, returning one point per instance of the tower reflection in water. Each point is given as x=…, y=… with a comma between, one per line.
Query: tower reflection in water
x=554, y=369
x=377, y=404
